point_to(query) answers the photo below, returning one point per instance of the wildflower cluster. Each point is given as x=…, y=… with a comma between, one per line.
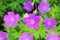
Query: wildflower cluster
x=31, y=25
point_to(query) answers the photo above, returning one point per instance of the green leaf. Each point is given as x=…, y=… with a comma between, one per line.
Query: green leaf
x=13, y=34
x=21, y=1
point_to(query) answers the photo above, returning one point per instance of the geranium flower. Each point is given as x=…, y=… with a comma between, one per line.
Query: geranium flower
x=3, y=36
x=50, y=23
x=11, y=19
x=44, y=7
x=28, y=6
x=53, y=36
x=26, y=36
x=32, y=21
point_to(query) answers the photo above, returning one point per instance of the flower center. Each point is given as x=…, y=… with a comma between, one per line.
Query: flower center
x=12, y=19
x=51, y=39
x=44, y=8
x=27, y=7
x=26, y=39
x=49, y=23
x=1, y=39
x=32, y=21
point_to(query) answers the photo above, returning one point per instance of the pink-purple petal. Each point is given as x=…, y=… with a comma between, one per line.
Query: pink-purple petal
x=44, y=4
x=37, y=18
x=26, y=36
x=6, y=18
x=53, y=36
x=3, y=36
x=11, y=13
x=17, y=17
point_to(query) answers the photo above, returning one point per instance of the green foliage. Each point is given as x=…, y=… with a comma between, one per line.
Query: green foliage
x=11, y=5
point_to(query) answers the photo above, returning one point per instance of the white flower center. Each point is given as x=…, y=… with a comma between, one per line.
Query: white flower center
x=44, y=8
x=32, y=21
x=26, y=39
x=49, y=23
x=1, y=39
x=12, y=19
x=51, y=39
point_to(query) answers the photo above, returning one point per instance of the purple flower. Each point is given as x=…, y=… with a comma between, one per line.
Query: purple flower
x=3, y=36
x=32, y=21
x=53, y=36
x=50, y=23
x=28, y=6
x=11, y=19
x=44, y=7
x=26, y=36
